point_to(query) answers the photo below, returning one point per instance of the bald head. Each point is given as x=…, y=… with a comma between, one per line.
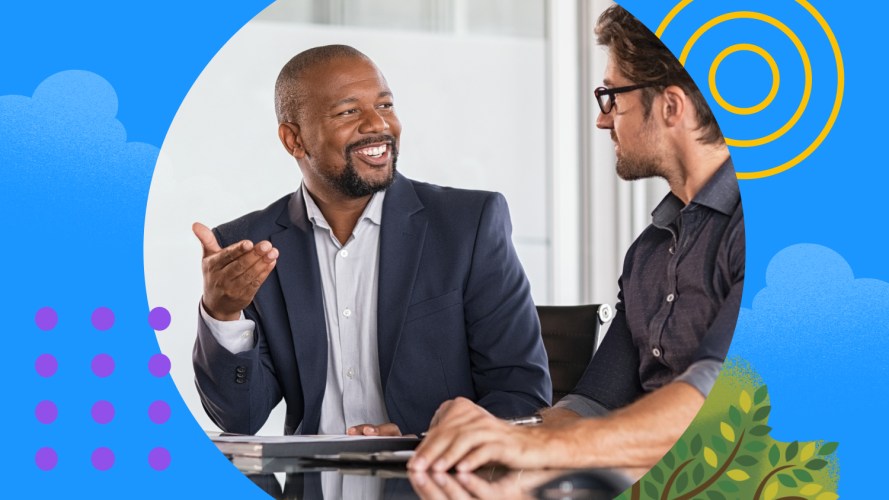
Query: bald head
x=290, y=90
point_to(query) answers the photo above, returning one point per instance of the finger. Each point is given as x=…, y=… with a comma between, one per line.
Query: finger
x=425, y=487
x=208, y=240
x=451, y=488
x=356, y=430
x=230, y=255
x=478, y=487
x=484, y=454
x=388, y=429
x=253, y=278
x=460, y=447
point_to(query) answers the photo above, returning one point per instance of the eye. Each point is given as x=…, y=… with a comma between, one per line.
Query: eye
x=386, y=105
x=347, y=112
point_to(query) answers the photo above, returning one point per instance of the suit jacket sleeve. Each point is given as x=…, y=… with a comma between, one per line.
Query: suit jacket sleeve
x=238, y=391
x=509, y=364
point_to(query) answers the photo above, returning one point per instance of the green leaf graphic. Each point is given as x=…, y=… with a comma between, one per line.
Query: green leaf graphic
x=718, y=444
x=668, y=460
x=791, y=450
x=815, y=464
x=755, y=446
x=762, y=413
x=651, y=490
x=734, y=415
x=682, y=482
x=828, y=448
x=696, y=444
x=774, y=455
x=657, y=474
x=786, y=480
x=715, y=495
x=697, y=475
x=747, y=460
x=803, y=476
x=681, y=449
x=760, y=395
x=760, y=430
x=727, y=486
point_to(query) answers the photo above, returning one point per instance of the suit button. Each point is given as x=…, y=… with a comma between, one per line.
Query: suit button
x=241, y=369
x=240, y=380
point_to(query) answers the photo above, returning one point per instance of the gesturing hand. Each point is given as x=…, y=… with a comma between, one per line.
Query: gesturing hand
x=232, y=275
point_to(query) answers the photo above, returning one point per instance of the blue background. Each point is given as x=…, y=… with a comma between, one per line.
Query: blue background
x=77, y=151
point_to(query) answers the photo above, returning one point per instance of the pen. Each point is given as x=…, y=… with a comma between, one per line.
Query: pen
x=535, y=419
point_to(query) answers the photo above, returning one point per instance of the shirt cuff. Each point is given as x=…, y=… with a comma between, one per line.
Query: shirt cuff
x=582, y=405
x=235, y=336
x=701, y=375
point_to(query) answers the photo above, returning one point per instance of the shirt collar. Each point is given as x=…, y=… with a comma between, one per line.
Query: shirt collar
x=720, y=193
x=373, y=212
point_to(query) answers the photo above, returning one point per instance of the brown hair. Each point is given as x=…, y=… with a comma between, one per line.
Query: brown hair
x=289, y=91
x=643, y=58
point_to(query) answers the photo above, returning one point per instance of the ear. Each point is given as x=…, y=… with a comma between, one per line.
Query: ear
x=675, y=105
x=289, y=133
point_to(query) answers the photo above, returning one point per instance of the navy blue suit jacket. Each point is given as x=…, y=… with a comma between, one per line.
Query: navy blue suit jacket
x=455, y=316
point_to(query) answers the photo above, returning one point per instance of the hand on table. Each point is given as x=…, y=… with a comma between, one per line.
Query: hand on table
x=388, y=429
x=232, y=275
x=464, y=485
x=465, y=436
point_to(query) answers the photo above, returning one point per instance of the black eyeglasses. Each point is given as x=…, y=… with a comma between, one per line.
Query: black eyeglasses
x=605, y=95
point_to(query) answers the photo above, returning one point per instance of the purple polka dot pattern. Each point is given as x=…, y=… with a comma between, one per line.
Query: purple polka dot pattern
x=159, y=318
x=46, y=318
x=103, y=365
x=46, y=458
x=46, y=412
x=159, y=365
x=46, y=365
x=159, y=458
x=103, y=318
x=159, y=412
x=103, y=412
x=103, y=458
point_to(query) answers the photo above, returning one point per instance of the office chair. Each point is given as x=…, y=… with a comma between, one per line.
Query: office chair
x=570, y=334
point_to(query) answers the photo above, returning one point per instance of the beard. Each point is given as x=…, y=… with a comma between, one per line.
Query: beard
x=351, y=184
x=639, y=163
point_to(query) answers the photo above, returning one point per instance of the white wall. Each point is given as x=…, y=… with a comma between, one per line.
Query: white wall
x=472, y=109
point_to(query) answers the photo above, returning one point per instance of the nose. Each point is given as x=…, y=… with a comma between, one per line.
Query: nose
x=373, y=123
x=604, y=121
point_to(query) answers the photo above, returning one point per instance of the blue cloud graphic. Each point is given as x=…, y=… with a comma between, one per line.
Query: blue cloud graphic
x=816, y=334
x=66, y=141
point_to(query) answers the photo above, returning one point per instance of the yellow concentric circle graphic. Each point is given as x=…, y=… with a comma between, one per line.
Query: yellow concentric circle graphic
x=807, y=90
x=776, y=78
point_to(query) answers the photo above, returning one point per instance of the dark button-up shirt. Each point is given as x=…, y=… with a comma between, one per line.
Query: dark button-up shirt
x=680, y=292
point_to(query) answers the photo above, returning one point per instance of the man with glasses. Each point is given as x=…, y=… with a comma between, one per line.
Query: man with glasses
x=680, y=289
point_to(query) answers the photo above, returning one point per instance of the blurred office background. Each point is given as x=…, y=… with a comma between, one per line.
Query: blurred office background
x=491, y=94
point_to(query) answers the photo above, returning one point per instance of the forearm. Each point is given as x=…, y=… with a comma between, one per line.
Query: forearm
x=635, y=436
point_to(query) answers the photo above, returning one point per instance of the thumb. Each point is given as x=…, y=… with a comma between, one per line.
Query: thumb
x=207, y=239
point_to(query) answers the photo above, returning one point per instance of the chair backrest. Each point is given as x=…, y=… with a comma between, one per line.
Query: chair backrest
x=570, y=334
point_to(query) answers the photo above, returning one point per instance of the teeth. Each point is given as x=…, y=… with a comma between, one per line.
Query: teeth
x=375, y=151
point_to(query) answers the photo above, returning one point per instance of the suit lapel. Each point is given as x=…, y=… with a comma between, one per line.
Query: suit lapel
x=297, y=269
x=402, y=233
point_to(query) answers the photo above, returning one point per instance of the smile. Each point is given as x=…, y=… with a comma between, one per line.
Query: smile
x=376, y=155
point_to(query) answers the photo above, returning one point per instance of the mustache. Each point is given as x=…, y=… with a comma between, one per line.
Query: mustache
x=373, y=140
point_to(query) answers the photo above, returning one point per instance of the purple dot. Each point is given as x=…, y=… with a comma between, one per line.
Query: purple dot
x=159, y=412
x=159, y=458
x=46, y=365
x=103, y=458
x=103, y=318
x=103, y=412
x=159, y=365
x=103, y=365
x=46, y=412
x=46, y=458
x=46, y=318
x=159, y=318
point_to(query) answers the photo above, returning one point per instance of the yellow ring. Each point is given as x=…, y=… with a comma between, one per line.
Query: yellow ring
x=837, y=103
x=807, y=65
x=776, y=79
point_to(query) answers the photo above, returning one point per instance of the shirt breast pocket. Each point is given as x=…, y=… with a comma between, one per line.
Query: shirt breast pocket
x=433, y=305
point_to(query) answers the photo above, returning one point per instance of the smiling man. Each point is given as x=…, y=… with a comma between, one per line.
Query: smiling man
x=680, y=289
x=364, y=299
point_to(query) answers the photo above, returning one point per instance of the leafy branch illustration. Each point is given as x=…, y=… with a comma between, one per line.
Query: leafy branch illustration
x=739, y=459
